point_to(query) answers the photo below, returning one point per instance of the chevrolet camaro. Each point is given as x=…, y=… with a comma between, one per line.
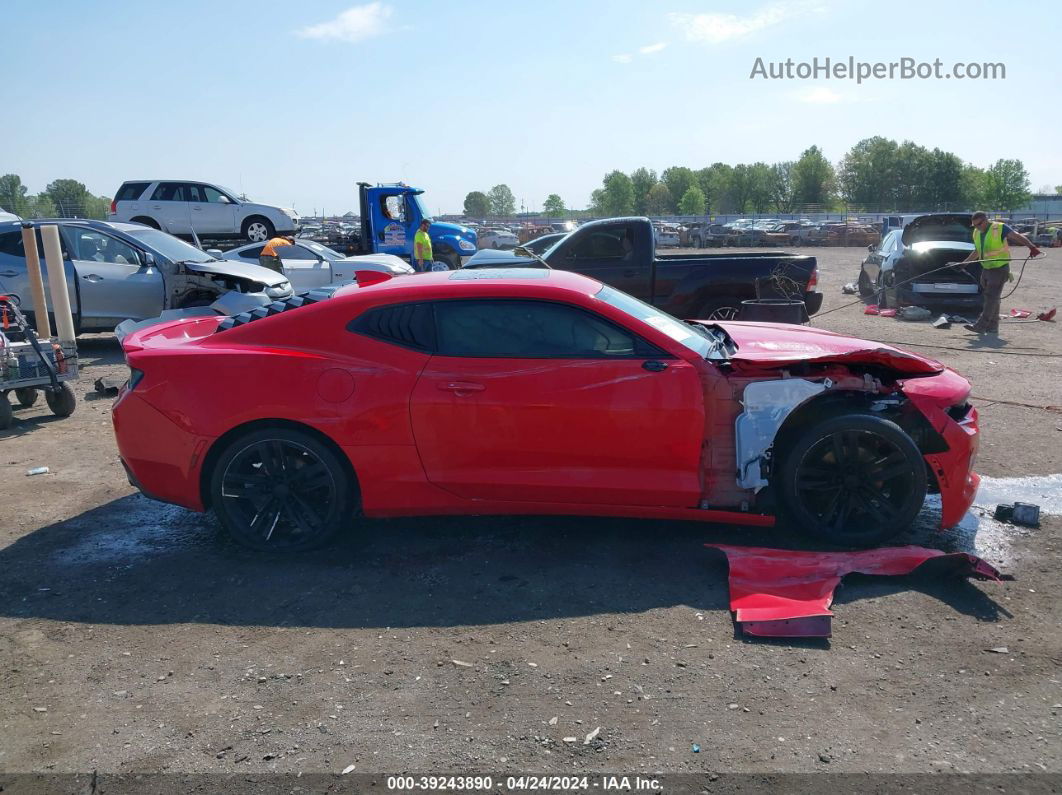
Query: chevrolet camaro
x=533, y=391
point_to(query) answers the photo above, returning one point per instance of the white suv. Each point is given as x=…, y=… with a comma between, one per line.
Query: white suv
x=183, y=208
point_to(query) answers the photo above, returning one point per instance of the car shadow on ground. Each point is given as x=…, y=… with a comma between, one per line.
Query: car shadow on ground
x=133, y=561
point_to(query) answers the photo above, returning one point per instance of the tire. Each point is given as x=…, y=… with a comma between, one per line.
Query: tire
x=865, y=287
x=63, y=402
x=7, y=416
x=852, y=480
x=257, y=229
x=281, y=490
x=884, y=285
x=146, y=221
x=26, y=397
x=720, y=309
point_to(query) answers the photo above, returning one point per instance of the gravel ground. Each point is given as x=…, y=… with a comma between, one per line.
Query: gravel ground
x=133, y=638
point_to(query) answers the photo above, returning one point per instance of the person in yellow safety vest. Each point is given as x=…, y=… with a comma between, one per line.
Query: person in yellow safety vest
x=990, y=240
x=422, y=257
x=269, y=258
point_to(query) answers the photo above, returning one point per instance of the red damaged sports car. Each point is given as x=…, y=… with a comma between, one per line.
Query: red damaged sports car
x=539, y=392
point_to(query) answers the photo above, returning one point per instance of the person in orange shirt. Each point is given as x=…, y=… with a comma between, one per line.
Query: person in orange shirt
x=269, y=257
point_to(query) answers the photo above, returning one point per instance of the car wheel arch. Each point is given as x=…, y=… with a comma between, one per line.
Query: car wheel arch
x=219, y=445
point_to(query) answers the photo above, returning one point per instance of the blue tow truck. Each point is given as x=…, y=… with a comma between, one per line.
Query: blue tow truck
x=390, y=215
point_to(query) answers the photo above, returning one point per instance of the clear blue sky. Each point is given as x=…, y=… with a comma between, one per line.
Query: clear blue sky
x=295, y=102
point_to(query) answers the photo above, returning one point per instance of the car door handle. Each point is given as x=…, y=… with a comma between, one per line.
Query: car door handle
x=92, y=277
x=654, y=366
x=198, y=209
x=459, y=387
x=9, y=273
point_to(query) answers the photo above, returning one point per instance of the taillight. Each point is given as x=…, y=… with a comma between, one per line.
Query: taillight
x=813, y=279
x=114, y=206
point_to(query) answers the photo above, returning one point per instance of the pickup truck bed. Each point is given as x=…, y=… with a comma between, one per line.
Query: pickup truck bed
x=621, y=252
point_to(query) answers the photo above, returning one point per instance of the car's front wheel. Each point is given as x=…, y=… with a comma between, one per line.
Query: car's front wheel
x=281, y=490
x=865, y=287
x=852, y=480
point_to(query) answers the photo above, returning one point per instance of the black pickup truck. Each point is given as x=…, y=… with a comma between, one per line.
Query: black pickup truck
x=621, y=252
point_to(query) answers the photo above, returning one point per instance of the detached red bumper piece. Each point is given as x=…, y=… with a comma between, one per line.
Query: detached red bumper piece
x=784, y=593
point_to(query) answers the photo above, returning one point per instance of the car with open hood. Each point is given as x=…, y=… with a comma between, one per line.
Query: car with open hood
x=533, y=391
x=117, y=272
x=922, y=265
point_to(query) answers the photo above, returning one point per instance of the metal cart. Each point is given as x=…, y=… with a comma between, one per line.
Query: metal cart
x=29, y=365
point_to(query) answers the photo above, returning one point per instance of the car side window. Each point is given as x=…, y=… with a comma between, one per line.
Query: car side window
x=169, y=192
x=294, y=252
x=610, y=243
x=213, y=195
x=527, y=329
x=406, y=325
x=11, y=245
x=252, y=253
x=89, y=245
x=393, y=208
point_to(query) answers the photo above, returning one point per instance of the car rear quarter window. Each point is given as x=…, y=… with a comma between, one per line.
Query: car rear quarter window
x=407, y=325
x=11, y=244
x=131, y=191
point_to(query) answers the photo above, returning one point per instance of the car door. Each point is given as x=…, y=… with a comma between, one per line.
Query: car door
x=169, y=207
x=14, y=277
x=391, y=225
x=113, y=283
x=608, y=253
x=304, y=268
x=535, y=401
x=211, y=211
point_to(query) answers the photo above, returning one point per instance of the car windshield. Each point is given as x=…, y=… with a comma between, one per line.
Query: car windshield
x=232, y=194
x=323, y=251
x=168, y=246
x=697, y=339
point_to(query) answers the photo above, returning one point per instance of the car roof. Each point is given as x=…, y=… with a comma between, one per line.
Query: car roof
x=91, y=223
x=467, y=282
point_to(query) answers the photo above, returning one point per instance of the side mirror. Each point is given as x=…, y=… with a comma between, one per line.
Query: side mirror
x=871, y=247
x=216, y=253
x=149, y=259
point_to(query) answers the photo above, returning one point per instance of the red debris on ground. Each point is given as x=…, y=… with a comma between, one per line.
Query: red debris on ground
x=785, y=593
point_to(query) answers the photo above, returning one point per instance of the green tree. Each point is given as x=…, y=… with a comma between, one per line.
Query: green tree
x=617, y=194
x=813, y=179
x=477, y=204
x=1007, y=185
x=910, y=190
x=972, y=187
x=13, y=194
x=643, y=180
x=1058, y=188
x=502, y=201
x=761, y=193
x=597, y=202
x=714, y=182
x=692, y=201
x=659, y=201
x=40, y=206
x=868, y=174
x=739, y=187
x=70, y=198
x=943, y=182
x=678, y=180
x=553, y=206
x=783, y=186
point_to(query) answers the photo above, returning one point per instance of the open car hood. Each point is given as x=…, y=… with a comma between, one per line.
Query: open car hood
x=239, y=270
x=773, y=345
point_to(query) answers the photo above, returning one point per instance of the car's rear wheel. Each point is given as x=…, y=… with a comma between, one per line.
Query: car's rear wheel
x=721, y=309
x=886, y=290
x=257, y=229
x=146, y=221
x=281, y=490
x=853, y=480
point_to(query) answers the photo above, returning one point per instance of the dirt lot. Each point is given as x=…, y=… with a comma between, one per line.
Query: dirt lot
x=133, y=638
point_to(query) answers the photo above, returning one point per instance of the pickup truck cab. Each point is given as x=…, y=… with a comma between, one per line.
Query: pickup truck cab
x=622, y=252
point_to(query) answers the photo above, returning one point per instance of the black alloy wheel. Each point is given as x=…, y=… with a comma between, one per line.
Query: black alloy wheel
x=854, y=480
x=281, y=490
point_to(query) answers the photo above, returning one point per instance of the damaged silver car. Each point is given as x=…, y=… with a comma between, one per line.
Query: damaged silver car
x=119, y=271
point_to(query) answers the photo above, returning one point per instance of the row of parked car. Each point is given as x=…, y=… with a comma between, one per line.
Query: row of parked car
x=774, y=232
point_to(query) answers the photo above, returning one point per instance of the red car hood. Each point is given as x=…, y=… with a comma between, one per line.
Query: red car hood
x=777, y=344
